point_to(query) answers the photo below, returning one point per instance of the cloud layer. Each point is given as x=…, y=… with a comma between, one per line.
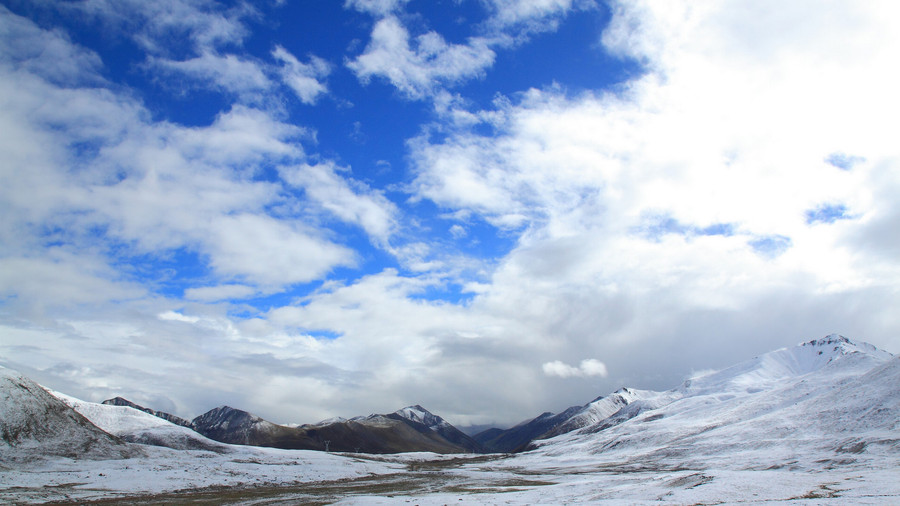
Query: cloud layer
x=736, y=195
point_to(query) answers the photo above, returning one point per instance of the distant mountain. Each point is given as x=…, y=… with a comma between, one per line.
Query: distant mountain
x=119, y=401
x=818, y=404
x=35, y=424
x=408, y=430
x=597, y=410
x=517, y=438
x=234, y=426
x=419, y=415
x=757, y=374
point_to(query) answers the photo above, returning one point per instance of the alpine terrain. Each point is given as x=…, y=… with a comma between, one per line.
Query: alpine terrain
x=815, y=423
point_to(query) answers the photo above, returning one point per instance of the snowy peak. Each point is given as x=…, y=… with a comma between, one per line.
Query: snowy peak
x=421, y=415
x=835, y=345
x=843, y=356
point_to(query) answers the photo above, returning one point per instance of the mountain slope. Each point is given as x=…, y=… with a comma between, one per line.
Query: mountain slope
x=35, y=424
x=804, y=407
x=119, y=401
x=136, y=426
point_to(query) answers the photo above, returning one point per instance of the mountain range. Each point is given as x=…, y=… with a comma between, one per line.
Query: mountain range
x=831, y=395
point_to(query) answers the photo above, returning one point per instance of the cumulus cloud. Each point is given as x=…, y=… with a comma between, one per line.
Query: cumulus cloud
x=303, y=78
x=156, y=187
x=738, y=196
x=416, y=66
x=588, y=367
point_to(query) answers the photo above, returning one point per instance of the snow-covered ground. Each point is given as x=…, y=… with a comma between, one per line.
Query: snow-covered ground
x=165, y=470
x=815, y=424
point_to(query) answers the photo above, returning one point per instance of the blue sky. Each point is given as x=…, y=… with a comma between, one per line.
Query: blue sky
x=492, y=208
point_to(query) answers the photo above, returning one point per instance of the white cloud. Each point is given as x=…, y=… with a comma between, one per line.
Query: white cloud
x=162, y=26
x=612, y=202
x=588, y=367
x=49, y=54
x=713, y=144
x=352, y=202
x=593, y=367
x=177, y=317
x=153, y=187
x=416, y=67
x=220, y=292
x=375, y=7
x=303, y=78
x=458, y=231
x=244, y=78
x=513, y=22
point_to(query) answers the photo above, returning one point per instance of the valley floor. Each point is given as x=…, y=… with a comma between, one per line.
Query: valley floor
x=270, y=477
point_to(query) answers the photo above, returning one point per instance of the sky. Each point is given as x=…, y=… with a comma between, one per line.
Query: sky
x=492, y=208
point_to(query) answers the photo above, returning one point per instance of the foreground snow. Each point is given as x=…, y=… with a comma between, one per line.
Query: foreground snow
x=288, y=477
x=165, y=470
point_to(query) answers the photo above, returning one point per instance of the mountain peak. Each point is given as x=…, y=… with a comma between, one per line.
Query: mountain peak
x=829, y=339
x=417, y=413
x=836, y=345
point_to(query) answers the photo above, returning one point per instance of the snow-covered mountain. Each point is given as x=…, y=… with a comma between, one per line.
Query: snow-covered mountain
x=548, y=424
x=421, y=415
x=136, y=426
x=817, y=404
x=417, y=415
x=35, y=424
x=410, y=429
x=782, y=378
x=598, y=410
x=234, y=426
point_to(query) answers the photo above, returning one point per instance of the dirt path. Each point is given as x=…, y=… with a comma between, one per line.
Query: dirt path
x=420, y=478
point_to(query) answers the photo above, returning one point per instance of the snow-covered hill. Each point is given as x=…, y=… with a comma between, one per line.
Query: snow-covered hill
x=818, y=404
x=119, y=401
x=137, y=426
x=35, y=424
